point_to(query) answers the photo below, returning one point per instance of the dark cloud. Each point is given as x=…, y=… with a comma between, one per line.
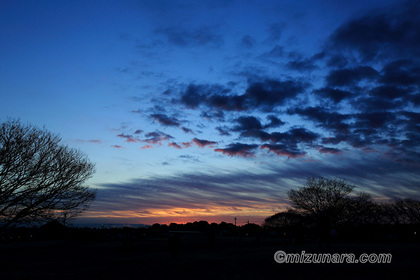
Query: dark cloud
x=202, y=36
x=362, y=99
x=300, y=134
x=387, y=33
x=275, y=31
x=323, y=118
x=337, y=61
x=333, y=94
x=373, y=120
x=239, y=149
x=270, y=92
x=227, y=102
x=403, y=72
x=248, y=123
x=389, y=92
x=165, y=120
x=217, y=115
x=351, y=76
x=187, y=130
x=264, y=95
x=223, y=131
x=276, y=52
x=302, y=65
x=284, y=150
x=376, y=104
x=194, y=94
x=203, y=143
x=327, y=150
x=274, y=122
x=157, y=137
x=175, y=145
x=248, y=41
x=128, y=138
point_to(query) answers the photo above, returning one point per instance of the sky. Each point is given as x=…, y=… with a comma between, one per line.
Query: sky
x=214, y=110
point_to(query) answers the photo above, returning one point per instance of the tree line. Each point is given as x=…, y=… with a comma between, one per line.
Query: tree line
x=332, y=201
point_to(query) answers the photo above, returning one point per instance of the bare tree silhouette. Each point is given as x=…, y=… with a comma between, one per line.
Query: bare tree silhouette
x=324, y=200
x=40, y=179
x=320, y=195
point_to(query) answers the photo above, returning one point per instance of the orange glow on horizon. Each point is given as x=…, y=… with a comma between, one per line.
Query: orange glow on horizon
x=184, y=215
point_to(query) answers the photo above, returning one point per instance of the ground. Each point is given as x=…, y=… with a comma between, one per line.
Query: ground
x=228, y=259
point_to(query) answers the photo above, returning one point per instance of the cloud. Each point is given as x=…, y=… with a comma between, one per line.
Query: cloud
x=156, y=137
x=333, y=94
x=187, y=130
x=283, y=150
x=389, y=92
x=264, y=94
x=382, y=34
x=192, y=194
x=238, y=149
x=261, y=192
x=275, y=30
x=323, y=118
x=270, y=92
x=223, y=131
x=248, y=41
x=94, y=141
x=128, y=138
x=361, y=98
x=201, y=36
x=401, y=72
x=276, y=52
x=328, y=150
x=302, y=65
x=165, y=120
x=187, y=144
x=274, y=122
x=147, y=147
x=203, y=143
x=351, y=76
x=117, y=147
x=248, y=123
x=175, y=145
x=194, y=94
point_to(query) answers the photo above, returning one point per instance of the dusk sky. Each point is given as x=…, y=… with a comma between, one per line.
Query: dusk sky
x=210, y=110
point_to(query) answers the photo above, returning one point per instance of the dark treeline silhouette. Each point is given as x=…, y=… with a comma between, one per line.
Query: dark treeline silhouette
x=326, y=209
x=191, y=230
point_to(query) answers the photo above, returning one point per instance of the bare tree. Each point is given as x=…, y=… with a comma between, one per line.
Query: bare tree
x=324, y=200
x=320, y=195
x=358, y=209
x=400, y=211
x=40, y=179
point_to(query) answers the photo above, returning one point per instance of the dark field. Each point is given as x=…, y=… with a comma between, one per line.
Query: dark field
x=228, y=259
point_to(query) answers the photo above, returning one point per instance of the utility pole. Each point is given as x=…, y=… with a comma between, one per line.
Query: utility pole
x=235, y=222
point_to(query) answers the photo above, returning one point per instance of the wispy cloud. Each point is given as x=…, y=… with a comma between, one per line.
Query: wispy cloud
x=117, y=147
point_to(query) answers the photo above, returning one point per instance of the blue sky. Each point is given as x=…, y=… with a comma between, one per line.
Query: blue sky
x=215, y=109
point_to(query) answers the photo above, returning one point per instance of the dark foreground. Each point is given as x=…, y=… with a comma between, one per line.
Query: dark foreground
x=151, y=259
